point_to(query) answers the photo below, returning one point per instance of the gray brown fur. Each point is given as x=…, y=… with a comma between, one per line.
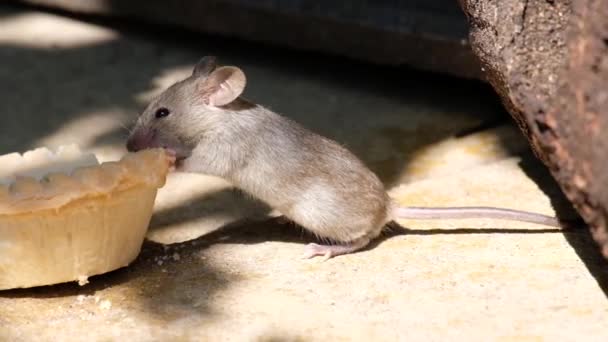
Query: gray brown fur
x=310, y=179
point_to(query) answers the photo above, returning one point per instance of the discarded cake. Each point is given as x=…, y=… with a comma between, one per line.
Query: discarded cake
x=65, y=217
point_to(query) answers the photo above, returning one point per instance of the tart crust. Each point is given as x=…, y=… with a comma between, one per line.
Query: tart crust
x=82, y=219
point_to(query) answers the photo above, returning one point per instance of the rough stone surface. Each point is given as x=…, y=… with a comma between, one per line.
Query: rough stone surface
x=548, y=62
x=521, y=47
x=574, y=128
x=427, y=34
x=206, y=275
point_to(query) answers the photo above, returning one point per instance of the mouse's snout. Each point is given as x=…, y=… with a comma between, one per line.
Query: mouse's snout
x=140, y=140
x=132, y=145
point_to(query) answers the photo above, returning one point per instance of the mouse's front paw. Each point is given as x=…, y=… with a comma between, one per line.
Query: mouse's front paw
x=171, y=158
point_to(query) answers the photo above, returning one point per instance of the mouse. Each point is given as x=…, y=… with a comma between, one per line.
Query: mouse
x=207, y=126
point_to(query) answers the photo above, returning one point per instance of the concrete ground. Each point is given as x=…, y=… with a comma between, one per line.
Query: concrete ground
x=205, y=274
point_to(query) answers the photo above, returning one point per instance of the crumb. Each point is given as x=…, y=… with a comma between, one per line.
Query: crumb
x=159, y=262
x=176, y=256
x=83, y=280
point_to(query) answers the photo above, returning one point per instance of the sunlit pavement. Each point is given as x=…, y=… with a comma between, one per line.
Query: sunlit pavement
x=68, y=81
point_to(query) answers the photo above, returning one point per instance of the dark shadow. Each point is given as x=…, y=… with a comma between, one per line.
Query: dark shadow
x=458, y=231
x=580, y=239
x=275, y=229
x=167, y=287
x=491, y=123
x=254, y=232
x=536, y=171
x=225, y=203
x=97, y=283
x=587, y=250
x=394, y=229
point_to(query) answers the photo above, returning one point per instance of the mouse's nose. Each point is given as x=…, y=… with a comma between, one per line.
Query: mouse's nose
x=137, y=141
x=141, y=139
x=132, y=145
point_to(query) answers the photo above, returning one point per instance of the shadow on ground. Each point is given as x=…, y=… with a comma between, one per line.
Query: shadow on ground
x=165, y=293
x=51, y=87
x=579, y=238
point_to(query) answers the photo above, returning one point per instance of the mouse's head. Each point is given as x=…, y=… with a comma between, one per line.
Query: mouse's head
x=188, y=110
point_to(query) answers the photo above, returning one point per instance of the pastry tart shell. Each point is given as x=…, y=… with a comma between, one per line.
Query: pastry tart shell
x=70, y=225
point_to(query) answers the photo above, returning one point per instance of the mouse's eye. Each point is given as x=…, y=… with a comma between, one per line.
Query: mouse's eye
x=162, y=112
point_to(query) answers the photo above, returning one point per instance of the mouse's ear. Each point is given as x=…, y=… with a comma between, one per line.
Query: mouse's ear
x=205, y=66
x=223, y=86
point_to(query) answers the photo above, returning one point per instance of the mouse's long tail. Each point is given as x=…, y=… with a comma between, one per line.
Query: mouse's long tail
x=426, y=213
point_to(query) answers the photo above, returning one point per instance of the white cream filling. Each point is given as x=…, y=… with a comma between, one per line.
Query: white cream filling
x=41, y=162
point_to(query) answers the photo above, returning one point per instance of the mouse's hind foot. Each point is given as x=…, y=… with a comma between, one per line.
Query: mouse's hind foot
x=329, y=251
